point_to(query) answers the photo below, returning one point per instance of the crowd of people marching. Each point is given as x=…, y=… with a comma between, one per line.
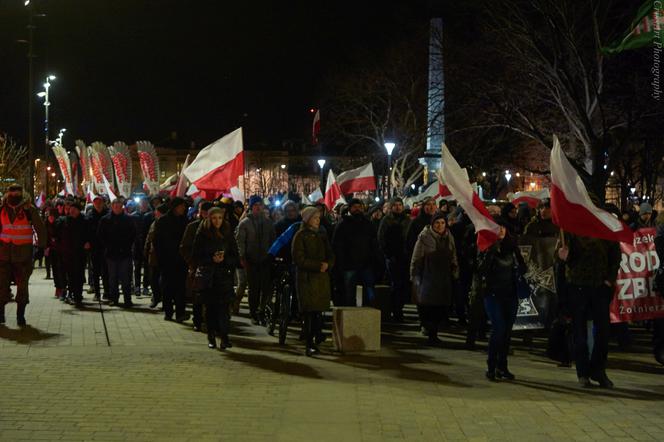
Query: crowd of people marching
x=208, y=253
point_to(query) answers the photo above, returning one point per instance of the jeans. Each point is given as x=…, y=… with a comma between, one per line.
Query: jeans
x=119, y=274
x=173, y=290
x=398, y=272
x=502, y=313
x=590, y=303
x=363, y=277
x=260, y=286
x=99, y=271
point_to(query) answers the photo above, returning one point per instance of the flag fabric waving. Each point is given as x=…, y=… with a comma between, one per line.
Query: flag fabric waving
x=533, y=198
x=461, y=189
x=218, y=166
x=315, y=128
x=316, y=196
x=646, y=29
x=571, y=207
x=181, y=187
x=357, y=180
x=333, y=195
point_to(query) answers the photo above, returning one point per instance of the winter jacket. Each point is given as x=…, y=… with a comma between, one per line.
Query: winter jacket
x=392, y=236
x=93, y=217
x=148, y=249
x=498, y=268
x=282, y=225
x=203, y=249
x=355, y=244
x=187, y=243
x=541, y=228
x=71, y=236
x=591, y=261
x=309, y=250
x=416, y=226
x=23, y=253
x=168, y=233
x=254, y=235
x=434, y=267
x=117, y=234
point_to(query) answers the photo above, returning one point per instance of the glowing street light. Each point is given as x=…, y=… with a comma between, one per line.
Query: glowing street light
x=508, y=175
x=321, y=164
x=389, y=147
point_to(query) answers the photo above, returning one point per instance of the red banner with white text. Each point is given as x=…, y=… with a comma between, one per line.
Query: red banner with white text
x=635, y=299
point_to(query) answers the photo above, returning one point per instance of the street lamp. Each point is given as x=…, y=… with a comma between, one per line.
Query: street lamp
x=508, y=176
x=45, y=95
x=389, y=147
x=321, y=164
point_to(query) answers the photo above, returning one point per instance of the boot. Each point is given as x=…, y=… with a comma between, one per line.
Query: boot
x=20, y=315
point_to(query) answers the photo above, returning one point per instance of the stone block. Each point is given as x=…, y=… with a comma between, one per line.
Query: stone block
x=356, y=329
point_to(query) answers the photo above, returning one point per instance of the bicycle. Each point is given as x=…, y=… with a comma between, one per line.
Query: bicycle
x=278, y=310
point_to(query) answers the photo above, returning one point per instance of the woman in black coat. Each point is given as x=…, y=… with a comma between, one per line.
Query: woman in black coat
x=216, y=254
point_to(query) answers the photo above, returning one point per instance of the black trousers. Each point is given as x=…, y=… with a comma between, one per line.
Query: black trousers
x=155, y=284
x=99, y=272
x=173, y=290
x=59, y=273
x=140, y=272
x=431, y=316
x=399, y=281
x=260, y=286
x=218, y=319
x=313, y=326
x=590, y=303
x=75, y=270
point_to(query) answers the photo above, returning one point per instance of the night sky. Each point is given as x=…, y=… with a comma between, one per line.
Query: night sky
x=131, y=70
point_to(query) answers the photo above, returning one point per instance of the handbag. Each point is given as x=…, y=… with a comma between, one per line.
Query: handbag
x=203, y=278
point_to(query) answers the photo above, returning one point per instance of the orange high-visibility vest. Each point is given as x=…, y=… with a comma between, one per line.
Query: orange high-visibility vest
x=19, y=232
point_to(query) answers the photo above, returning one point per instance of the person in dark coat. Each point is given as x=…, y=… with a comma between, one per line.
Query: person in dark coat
x=313, y=258
x=97, y=258
x=392, y=243
x=116, y=233
x=51, y=252
x=73, y=236
x=151, y=258
x=509, y=215
x=215, y=248
x=498, y=269
x=168, y=233
x=433, y=271
x=291, y=216
x=142, y=218
x=355, y=247
x=187, y=252
x=542, y=226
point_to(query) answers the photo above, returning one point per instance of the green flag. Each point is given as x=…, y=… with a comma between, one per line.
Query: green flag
x=646, y=29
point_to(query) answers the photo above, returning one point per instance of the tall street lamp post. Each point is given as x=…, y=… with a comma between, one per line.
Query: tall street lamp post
x=389, y=147
x=321, y=164
x=45, y=95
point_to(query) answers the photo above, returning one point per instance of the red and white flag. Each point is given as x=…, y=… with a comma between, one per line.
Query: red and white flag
x=40, y=200
x=109, y=191
x=218, y=166
x=357, y=180
x=533, y=198
x=571, y=207
x=89, y=194
x=315, y=196
x=333, y=195
x=181, y=187
x=461, y=189
x=315, y=128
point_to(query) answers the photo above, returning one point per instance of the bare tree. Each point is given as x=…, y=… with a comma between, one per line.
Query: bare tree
x=13, y=161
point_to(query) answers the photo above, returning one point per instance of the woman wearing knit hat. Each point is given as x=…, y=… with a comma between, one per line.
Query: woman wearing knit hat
x=433, y=270
x=313, y=258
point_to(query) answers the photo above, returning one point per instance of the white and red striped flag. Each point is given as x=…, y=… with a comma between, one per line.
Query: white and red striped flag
x=218, y=166
x=357, y=180
x=315, y=196
x=333, y=195
x=533, y=198
x=182, y=185
x=315, y=127
x=571, y=207
x=459, y=185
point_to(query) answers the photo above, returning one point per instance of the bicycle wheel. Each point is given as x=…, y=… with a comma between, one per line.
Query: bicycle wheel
x=284, y=313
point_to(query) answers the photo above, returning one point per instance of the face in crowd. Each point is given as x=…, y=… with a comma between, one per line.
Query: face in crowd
x=396, y=207
x=257, y=209
x=217, y=219
x=314, y=221
x=179, y=210
x=98, y=204
x=429, y=207
x=14, y=197
x=545, y=212
x=377, y=214
x=117, y=207
x=439, y=226
x=291, y=212
x=356, y=209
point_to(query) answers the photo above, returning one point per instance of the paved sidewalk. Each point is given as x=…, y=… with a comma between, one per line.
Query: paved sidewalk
x=158, y=381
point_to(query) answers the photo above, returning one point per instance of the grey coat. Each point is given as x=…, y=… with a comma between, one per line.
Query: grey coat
x=254, y=235
x=434, y=268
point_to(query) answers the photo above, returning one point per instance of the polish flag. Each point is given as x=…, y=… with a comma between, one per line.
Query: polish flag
x=181, y=188
x=571, y=207
x=109, y=192
x=461, y=189
x=316, y=196
x=533, y=198
x=40, y=200
x=218, y=166
x=89, y=194
x=333, y=195
x=357, y=180
x=315, y=129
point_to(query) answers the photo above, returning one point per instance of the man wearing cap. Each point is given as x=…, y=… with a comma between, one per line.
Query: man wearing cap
x=392, y=242
x=19, y=220
x=116, y=232
x=168, y=233
x=255, y=234
x=646, y=218
x=187, y=252
x=97, y=259
x=73, y=235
